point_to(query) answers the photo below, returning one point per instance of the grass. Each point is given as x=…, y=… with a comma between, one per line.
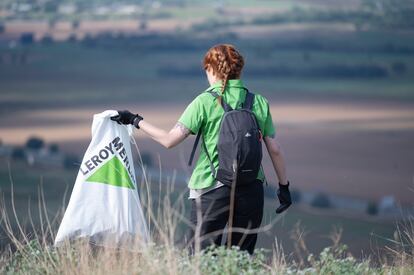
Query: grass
x=31, y=250
x=34, y=254
x=57, y=184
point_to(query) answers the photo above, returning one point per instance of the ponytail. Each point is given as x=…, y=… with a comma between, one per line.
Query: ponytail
x=223, y=88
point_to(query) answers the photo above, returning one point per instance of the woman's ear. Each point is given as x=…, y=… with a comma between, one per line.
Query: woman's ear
x=210, y=76
x=208, y=68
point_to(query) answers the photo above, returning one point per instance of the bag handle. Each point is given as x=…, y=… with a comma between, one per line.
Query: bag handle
x=213, y=170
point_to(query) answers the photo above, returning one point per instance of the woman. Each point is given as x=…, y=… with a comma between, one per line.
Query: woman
x=213, y=204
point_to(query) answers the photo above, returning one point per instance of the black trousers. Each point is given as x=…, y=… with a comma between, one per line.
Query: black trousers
x=214, y=209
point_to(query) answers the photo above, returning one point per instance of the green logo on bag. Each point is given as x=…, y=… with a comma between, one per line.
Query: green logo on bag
x=117, y=171
x=112, y=173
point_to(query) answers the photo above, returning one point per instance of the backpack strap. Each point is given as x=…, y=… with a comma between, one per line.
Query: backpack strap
x=248, y=101
x=226, y=107
x=213, y=170
x=190, y=161
x=248, y=104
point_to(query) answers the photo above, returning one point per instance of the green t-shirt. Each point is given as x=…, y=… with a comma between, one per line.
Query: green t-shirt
x=205, y=113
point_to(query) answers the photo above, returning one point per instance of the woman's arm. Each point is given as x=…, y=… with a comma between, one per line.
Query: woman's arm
x=276, y=155
x=167, y=139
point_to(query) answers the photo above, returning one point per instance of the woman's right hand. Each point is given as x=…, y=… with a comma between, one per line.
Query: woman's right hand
x=126, y=117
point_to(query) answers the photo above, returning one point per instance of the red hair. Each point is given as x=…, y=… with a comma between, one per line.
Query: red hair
x=225, y=61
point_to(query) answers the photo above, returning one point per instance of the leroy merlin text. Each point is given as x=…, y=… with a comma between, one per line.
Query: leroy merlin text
x=109, y=150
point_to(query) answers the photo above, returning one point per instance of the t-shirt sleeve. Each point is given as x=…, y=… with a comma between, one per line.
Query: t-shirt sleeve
x=269, y=129
x=192, y=117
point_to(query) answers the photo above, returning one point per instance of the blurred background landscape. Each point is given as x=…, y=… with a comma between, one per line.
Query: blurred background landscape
x=339, y=77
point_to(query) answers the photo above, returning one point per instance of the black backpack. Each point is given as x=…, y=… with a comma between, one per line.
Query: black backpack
x=239, y=144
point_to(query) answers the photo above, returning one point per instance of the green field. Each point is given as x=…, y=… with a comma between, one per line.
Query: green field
x=107, y=70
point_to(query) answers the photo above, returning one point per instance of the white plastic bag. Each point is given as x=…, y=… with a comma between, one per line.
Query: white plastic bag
x=104, y=205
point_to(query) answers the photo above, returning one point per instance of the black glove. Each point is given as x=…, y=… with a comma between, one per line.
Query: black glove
x=126, y=117
x=284, y=197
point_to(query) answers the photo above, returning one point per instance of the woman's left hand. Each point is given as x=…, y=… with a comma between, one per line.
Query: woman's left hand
x=284, y=197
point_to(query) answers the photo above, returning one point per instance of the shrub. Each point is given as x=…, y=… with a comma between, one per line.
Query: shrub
x=35, y=143
x=321, y=200
x=399, y=68
x=147, y=159
x=295, y=195
x=220, y=260
x=89, y=41
x=75, y=24
x=334, y=261
x=52, y=22
x=54, y=148
x=72, y=38
x=22, y=260
x=71, y=162
x=372, y=208
x=269, y=191
x=142, y=25
x=47, y=40
x=306, y=56
x=27, y=38
x=18, y=153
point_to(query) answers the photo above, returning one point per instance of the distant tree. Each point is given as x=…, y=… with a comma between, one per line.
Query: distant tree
x=35, y=143
x=359, y=24
x=46, y=40
x=263, y=51
x=220, y=10
x=372, y=208
x=26, y=38
x=75, y=24
x=23, y=58
x=18, y=153
x=71, y=162
x=52, y=22
x=232, y=36
x=14, y=57
x=306, y=56
x=295, y=195
x=51, y=6
x=395, y=14
x=321, y=200
x=142, y=25
x=89, y=41
x=72, y=38
x=269, y=191
x=399, y=67
x=54, y=148
x=147, y=159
